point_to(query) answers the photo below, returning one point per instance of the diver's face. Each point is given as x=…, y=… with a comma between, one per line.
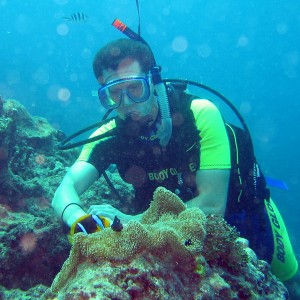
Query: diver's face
x=129, y=108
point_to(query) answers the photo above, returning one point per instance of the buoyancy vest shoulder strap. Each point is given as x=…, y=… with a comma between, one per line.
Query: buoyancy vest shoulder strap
x=246, y=175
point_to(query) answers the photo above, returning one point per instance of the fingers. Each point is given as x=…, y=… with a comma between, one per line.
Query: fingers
x=105, y=210
x=106, y=215
x=96, y=209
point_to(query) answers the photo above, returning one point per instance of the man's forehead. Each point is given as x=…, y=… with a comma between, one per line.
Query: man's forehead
x=126, y=68
x=129, y=63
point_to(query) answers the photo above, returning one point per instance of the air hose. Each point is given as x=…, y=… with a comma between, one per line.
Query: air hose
x=165, y=130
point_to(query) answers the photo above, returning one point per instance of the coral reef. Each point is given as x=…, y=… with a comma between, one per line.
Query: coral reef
x=33, y=244
x=172, y=254
x=167, y=235
x=31, y=251
x=28, y=152
x=30, y=170
x=36, y=292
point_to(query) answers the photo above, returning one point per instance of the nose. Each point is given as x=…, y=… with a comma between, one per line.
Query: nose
x=125, y=100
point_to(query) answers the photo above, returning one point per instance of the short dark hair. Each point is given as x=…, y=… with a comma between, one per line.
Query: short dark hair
x=111, y=55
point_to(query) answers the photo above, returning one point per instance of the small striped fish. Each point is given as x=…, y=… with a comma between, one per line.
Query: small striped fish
x=76, y=17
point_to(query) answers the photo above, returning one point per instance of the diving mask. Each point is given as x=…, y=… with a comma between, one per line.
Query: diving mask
x=135, y=88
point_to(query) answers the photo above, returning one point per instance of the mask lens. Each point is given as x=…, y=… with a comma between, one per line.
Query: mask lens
x=136, y=88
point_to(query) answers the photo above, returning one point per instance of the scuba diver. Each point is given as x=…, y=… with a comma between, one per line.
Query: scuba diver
x=165, y=136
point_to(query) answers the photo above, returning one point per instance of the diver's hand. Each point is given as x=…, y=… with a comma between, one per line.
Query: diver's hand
x=108, y=211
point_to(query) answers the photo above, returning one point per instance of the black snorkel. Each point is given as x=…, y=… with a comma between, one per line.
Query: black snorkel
x=165, y=130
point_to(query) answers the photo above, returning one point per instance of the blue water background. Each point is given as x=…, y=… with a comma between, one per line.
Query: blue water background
x=248, y=50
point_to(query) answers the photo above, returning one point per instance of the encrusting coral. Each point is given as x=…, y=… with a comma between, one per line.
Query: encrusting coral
x=170, y=254
x=166, y=236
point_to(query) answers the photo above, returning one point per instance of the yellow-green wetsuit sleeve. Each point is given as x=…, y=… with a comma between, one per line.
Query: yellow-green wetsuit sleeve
x=88, y=148
x=215, y=148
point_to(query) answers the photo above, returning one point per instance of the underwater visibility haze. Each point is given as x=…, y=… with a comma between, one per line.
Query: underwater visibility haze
x=247, y=50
